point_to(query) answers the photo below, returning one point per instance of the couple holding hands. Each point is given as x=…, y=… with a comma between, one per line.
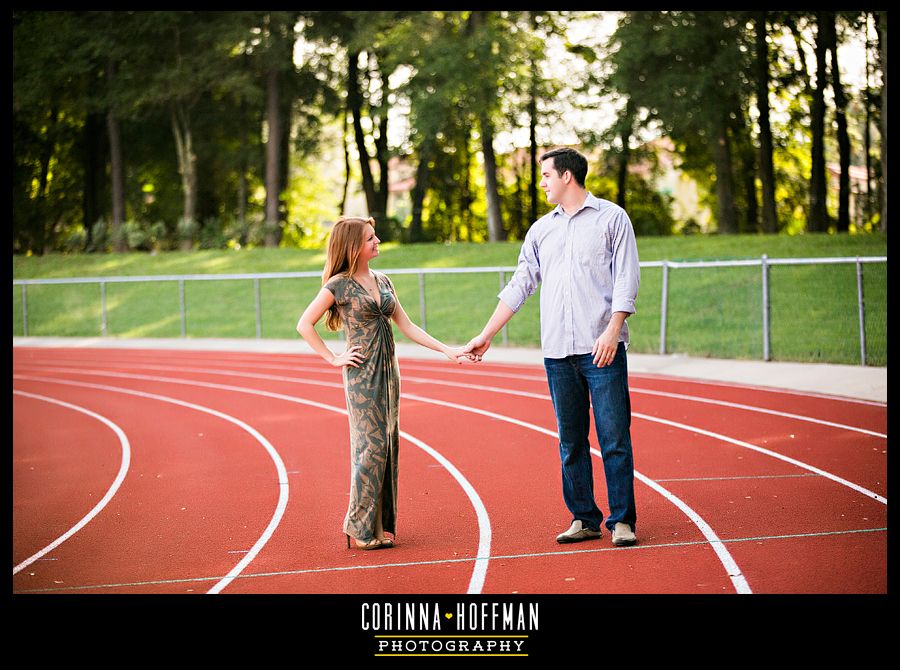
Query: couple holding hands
x=584, y=255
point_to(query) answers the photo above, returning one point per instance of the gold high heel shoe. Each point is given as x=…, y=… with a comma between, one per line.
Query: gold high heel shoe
x=374, y=543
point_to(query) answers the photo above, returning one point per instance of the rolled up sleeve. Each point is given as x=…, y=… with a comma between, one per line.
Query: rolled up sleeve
x=626, y=267
x=525, y=279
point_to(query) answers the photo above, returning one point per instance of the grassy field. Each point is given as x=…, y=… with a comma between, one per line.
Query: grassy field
x=711, y=312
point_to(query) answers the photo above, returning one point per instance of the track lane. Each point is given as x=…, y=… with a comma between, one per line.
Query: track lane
x=285, y=416
x=698, y=478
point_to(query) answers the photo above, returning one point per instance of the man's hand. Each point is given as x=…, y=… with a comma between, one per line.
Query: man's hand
x=477, y=346
x=605, y=347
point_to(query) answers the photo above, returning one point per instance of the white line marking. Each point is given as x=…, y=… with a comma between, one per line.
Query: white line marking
x=476, y=582
x=114, y=487
x=731, y=567
x=447, y=561
x=763, y=410
x=767, y=452
x=536, y=396
x=273, y=454
x=712, y=479
x=635, y=389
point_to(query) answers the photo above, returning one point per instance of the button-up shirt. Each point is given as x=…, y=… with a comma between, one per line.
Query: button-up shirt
x=588, y=266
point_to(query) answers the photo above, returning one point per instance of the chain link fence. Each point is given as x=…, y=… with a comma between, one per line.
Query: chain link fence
x=790, y=309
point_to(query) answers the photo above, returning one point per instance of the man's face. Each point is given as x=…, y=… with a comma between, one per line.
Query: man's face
x=552, y=182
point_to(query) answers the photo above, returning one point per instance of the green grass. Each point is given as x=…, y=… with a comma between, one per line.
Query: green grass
x=711, y=312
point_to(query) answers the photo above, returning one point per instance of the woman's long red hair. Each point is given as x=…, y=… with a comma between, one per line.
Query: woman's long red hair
x=344, y=244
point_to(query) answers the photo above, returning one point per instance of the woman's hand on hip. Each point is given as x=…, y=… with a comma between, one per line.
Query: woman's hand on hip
x=351, y=356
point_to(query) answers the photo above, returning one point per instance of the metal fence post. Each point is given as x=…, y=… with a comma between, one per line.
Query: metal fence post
x=258, y=312
x=765, y=306
x=664, y=306
x=25, y=310
x=862, y=312
x=103, y=309
x=422, y=300
x=182, y=309
x=505, y=325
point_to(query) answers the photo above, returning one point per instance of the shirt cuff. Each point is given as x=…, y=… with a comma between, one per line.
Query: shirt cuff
x=512, y=298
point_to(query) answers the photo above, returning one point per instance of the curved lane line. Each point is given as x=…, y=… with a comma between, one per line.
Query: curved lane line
x=476, y=582
x=273, y=454
x=731, y=567
x=114, y=487
x=633, y=389
x=541, y=396
x=734, y=573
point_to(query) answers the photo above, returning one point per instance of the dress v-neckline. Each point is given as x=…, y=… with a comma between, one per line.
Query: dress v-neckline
x=366, y=291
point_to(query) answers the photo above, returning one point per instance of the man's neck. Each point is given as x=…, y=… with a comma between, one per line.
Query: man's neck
x=573, y=201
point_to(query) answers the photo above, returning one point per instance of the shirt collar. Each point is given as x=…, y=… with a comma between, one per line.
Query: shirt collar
x=589, y=201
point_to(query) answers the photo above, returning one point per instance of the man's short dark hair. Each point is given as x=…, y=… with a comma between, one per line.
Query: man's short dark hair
x=568, y=159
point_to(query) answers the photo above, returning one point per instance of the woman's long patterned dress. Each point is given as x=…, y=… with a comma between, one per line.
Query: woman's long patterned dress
x=373, y=393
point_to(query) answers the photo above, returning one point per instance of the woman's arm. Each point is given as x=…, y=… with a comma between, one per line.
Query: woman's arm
x=306, y=326
x=419, y=336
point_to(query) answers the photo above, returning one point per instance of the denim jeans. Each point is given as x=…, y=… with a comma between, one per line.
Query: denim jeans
x=576, y=384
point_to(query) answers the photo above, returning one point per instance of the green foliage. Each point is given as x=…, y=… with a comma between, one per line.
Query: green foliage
x=163, y=74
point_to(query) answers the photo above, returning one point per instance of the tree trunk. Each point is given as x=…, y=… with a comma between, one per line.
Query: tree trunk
x=534, y=177
x=465, y=197
x=187, y=168
x=117, y=178
x=766, y=166
x=93, y=166
x=343, y=205
x=843, y=138
x=354, y=102
x=867, y=134
x=818, y=212
x=273, y=157
x=721, y=151
x=496, y=233
x=381, y=153
x=882, y=29
x=242, y=179
x=419, y=189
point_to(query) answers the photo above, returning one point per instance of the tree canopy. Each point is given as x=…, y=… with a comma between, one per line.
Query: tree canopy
x=178, y=129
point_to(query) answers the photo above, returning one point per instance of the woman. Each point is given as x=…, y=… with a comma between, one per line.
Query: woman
x=363, y=300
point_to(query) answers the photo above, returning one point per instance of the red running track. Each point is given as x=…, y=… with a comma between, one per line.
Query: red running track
x=160, y=471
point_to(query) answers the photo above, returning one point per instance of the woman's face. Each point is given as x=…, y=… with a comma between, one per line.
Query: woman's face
x=370, y=244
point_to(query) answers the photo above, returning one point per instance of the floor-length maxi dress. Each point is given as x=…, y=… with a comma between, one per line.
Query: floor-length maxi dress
x=373, y=394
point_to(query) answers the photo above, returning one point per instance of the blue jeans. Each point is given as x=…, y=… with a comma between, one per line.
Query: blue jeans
x=576, y=384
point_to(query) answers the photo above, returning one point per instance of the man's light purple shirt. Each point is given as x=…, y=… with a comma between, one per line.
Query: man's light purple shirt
x=587, y=265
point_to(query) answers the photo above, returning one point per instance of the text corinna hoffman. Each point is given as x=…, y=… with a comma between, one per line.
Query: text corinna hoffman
x=423, y=616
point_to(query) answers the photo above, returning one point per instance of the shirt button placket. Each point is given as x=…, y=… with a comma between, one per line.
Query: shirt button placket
x=569, y=285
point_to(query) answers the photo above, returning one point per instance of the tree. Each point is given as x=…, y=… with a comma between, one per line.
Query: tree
x=680, y=66
x=766, y=167
x=882, y=29
x=818, y=212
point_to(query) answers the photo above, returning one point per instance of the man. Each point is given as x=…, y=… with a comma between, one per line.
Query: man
x=584, y=253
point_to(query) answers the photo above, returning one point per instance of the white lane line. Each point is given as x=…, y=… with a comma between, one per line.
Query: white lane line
x=767, y=452
x=713, y=479
x=476, y=582
x=731, y=567
x=763, y=410
x=449, y=561
x=273, y=454
x=541, y=396
x=633, y=389
x=111, y=491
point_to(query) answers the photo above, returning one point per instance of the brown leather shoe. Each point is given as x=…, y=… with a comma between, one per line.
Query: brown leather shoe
x=578, y=532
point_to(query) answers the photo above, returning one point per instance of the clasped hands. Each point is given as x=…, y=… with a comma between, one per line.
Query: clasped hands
x=603, y=351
